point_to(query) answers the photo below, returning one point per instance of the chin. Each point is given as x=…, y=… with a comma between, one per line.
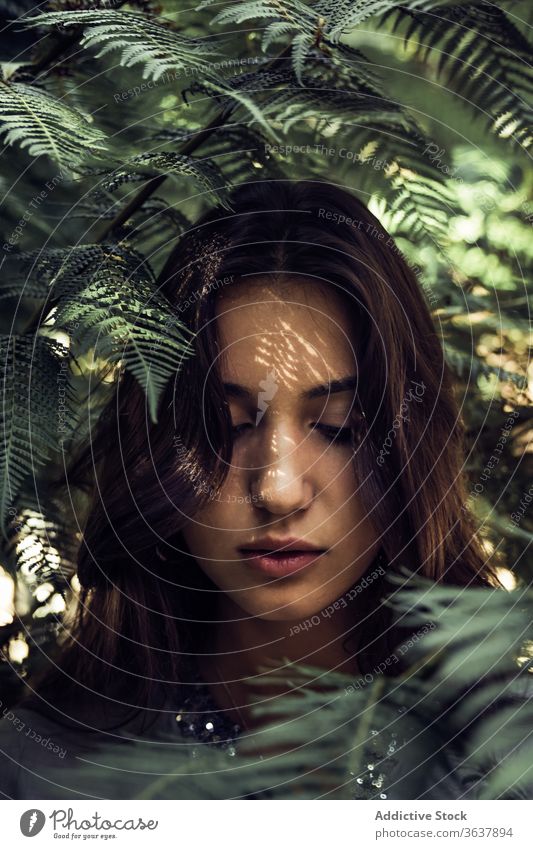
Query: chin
x=284, y=615
x=280, y=611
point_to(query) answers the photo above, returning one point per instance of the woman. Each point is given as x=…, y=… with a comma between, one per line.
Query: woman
x=310, y=446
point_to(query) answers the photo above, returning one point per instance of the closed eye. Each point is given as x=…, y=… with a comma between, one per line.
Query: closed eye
x=334, y=434
x=329, y=432
x=238, y=429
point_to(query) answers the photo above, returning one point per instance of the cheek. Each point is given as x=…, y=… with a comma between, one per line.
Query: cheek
x=343, y=483
x=205, y=535
x=201, y=538
x=350, y=514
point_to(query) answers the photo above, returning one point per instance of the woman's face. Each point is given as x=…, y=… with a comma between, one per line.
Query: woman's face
x=287, y=478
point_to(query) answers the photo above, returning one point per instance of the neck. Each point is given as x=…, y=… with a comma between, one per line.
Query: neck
x=237, y=646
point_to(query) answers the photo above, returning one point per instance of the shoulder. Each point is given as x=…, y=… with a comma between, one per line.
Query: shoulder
x=43, y=753
x=40, y=756
x=30, y=745
x=12, y=742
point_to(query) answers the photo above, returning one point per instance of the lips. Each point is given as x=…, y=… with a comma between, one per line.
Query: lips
x=278, y=563
x=271, y=544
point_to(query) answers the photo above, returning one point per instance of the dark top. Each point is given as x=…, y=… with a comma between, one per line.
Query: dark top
x=33, y=746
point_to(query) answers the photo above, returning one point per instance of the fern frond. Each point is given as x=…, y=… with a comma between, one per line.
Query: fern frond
x=334, y=90
x=300, y=49
x=280, y=89
x=43, y=542
x=108, y=293
x=118, y=312
x=310, y=25
x=140, y=38
x=17, y=279
x=230, y=94
x=298, y=14
x=422, y=206
x=274, y=32
x=144, y=166
x=35, y=417
x=457, y=719
x=342, y=16
x=290, y=16
x=204, y=171
x=484, y=56
x=359, y=66
x=39, y=122
x=32, y=274
x=241, y=148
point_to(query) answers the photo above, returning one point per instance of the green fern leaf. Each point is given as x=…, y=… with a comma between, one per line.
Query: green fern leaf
x=109, y=294
x=342, y=16
x=141, y=40
x=33, y=274
x=42, y=542
x=274, y=32
x=119, y=314
x=17, y=279
x=35, y=416
x=289, y=11
x=334, y=89
x=204, y=171
x=301, y=46
x=39, y=122
x=232, y=94
x=484, y=55
x=444, y=716
x=144, y=166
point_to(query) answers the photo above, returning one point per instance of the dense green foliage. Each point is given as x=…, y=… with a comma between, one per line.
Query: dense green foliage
x=122, y=123
x=466, y=679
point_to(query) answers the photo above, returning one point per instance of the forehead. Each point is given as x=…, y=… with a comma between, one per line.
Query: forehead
x=302, y=329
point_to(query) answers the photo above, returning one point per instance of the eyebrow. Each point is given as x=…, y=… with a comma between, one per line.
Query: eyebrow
x=343, y=384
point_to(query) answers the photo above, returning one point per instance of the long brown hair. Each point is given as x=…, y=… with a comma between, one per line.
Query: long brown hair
x=140, y=609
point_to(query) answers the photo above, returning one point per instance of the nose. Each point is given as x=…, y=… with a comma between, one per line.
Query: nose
x=282, y=481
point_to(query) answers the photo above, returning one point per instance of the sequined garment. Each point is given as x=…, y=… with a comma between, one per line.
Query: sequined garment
x=199, y=718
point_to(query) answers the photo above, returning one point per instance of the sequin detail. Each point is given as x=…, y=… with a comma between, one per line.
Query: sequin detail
x=379, y=760
x=200, y=719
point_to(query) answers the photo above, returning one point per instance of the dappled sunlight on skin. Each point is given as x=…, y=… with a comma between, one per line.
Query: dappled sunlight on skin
x=281, y=352
x=287, y=478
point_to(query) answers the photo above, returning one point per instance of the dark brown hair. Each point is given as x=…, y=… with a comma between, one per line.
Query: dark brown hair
x=138, y=615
